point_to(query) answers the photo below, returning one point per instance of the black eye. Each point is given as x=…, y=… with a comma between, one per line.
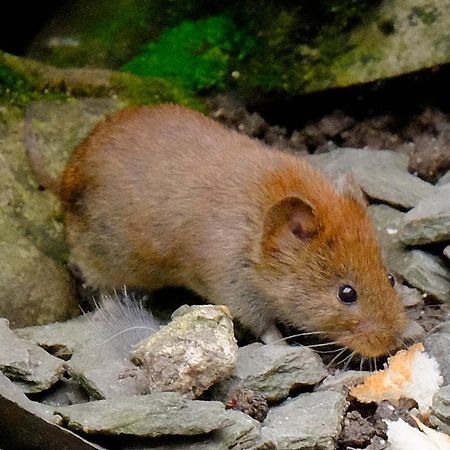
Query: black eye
x=347, y=294
x=391, y=279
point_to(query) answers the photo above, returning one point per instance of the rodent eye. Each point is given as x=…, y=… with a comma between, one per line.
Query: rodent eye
x=347, y=294
x=391, y=279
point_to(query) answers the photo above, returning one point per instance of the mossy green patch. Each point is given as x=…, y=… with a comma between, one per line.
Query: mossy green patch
x=199, y=55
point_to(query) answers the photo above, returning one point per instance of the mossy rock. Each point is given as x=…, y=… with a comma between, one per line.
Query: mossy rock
x=23, y=80
x=288, y=47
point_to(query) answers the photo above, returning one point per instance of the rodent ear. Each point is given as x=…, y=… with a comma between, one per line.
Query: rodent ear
x=290, y=214
x=348, y=186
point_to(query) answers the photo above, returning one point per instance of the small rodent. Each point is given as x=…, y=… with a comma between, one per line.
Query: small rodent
x=159, y=196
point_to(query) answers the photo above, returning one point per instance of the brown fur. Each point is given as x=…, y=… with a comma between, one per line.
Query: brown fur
x=160, y=196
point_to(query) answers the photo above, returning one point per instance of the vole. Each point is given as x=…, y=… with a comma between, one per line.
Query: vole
x=159, y=196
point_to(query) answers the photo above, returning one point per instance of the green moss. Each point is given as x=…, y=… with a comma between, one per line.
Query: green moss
x=145, y=91
x=199, y=55
x=16, y=89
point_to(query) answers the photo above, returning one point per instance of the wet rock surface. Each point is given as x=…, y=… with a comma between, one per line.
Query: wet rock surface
x=308, y=421
x=275, y=370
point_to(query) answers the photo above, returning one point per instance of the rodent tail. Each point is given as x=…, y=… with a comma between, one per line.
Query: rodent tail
x=36, y=160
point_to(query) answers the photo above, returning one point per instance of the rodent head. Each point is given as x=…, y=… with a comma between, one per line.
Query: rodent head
x=322, y=266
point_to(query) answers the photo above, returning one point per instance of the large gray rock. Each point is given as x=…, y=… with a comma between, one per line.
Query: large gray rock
x=244, y=434
x=429, y=220
x=418, y=268
x=27, y=424
x=310, y=421
x=194, y=351
x=34, y=284
x=30, y=366
x=152, y=415
x=382, y=175
x=274, y=370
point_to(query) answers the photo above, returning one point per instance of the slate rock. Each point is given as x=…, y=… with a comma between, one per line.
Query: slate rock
x=342, y=381
x=418, y=268
x=61, y=339
x=428, y=221
x=26, y=363
x=194, y=351
x=441, y=404
x=243, y=434
x=438, y=345
x=274, y=370
x=382, y=175
x=103, y=372
x=308, y=421
x=152, y=415
x=27, y=424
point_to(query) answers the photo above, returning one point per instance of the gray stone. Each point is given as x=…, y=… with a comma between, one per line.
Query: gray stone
x=244, y=434
x=194, y=351
x=447, y=251
x=274, y=370
x=445, y=179
x=342, y=381
x=103, y=372
x=61, y=338
x=422, y=270
x=382, y=175
x=26, y=363
x=441, y=404
x=310, y=421
x=428, y=221
x=152, y=415
x=27, y=424
x=438, y=345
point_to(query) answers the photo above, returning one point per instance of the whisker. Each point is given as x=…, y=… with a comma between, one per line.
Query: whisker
x=309, y=333
x=375, y=363
x=349, y=361
x=345, y=359
x=327, y=351
x=321, y=345
x=336, y=357
x=361, y=363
